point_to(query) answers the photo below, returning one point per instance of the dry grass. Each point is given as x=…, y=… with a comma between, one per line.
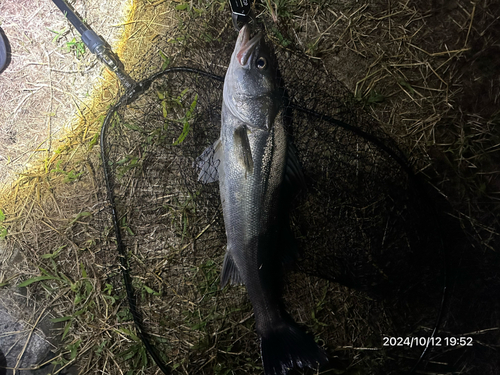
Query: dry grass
x=417, y=67
x=48, y=206
x=48, y=84
x=412, y=64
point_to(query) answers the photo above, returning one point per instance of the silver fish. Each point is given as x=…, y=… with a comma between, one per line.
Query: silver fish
x=254, y=163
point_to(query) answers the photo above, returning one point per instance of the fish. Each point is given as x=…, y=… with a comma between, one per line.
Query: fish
x=257, y=168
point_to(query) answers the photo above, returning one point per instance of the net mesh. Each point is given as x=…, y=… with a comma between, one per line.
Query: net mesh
x=363, y=219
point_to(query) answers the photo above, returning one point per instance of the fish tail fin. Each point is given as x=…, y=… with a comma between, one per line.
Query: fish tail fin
x=288, y=346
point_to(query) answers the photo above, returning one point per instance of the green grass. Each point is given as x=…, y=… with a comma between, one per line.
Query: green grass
x=76, y=46
x=69, y=176
x=58, y=34
x=3, y=230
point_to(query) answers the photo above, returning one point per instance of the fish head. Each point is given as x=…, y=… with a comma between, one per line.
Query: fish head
x=251, y=87
x=254, y=64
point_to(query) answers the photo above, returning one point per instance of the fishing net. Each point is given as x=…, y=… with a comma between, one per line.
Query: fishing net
x=373, y=246
x=363, y=220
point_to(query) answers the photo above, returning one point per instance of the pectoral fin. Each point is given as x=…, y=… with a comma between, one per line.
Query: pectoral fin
x=209, y=162
x=243, y=150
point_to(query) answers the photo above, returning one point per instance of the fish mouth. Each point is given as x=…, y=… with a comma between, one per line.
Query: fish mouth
x=246, y=45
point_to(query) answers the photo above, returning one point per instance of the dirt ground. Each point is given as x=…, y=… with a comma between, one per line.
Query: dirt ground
x=49, y=82
x=428, y=71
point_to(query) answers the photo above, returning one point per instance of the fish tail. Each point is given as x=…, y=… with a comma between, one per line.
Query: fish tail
x=288, y=346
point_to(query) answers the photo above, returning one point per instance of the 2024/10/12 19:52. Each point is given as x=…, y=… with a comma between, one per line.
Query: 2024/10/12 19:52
x=427, y=341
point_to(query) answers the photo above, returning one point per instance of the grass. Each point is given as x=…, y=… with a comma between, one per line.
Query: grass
x=77, y=47
x=78, y=298
x=74, y=45
x=3, y=230
x=409, y=78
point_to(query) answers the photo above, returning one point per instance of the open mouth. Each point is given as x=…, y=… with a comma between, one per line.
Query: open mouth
x=247, y=44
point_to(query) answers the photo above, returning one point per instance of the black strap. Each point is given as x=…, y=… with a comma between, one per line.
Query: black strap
x=241, y=12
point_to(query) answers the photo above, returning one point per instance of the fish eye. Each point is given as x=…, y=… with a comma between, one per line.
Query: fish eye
x=261, y=63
